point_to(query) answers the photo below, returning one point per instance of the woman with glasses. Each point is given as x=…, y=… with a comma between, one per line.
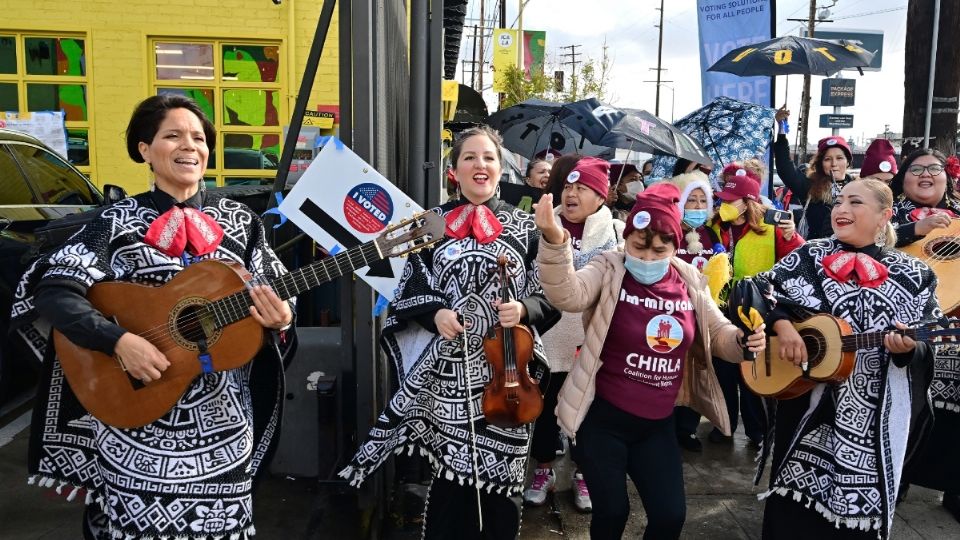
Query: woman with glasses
x=926, y=200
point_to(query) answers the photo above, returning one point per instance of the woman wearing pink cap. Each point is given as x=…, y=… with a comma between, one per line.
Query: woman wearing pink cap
x=926, y=200
x=815, y=191
x=593, y=230
x=617, y=403
x=753, y=247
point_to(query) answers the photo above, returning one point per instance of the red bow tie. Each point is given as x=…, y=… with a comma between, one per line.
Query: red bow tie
x=844, y=265
x=184, y=228
x=474, y=219
x=919, y=213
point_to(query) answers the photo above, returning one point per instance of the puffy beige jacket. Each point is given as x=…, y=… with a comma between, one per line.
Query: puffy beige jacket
x=594, y=290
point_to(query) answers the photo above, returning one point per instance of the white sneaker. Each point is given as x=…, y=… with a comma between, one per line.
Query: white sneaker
x=581, y=495
x=543, y=482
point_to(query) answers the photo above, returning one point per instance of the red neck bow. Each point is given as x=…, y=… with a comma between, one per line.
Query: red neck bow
x=184, y=228
x=476, y=220
x=919, y=213
x=844, y=265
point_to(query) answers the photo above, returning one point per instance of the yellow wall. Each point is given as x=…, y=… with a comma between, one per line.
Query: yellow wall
x=118, y=55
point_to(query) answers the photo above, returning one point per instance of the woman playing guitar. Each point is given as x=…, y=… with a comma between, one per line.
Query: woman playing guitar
x=203, y=454
x=649, y=324
x=927, y=201
x=447, y=300
x=839, y=450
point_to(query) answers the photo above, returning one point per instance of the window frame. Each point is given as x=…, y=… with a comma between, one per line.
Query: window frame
x=218, y=85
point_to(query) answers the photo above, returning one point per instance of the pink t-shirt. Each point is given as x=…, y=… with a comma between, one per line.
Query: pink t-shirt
x=651, y=330
x=575, y=230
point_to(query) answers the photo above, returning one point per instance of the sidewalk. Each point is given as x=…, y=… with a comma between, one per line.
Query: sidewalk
x=721, y=504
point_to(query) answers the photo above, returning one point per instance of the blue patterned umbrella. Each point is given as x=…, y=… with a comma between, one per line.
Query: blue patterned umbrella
x=729, y=129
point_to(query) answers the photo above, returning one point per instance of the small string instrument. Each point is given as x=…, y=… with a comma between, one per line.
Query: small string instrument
x=940, y=249
x=512, y=398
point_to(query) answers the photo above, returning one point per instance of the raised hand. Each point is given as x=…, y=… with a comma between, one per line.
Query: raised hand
x=546, y=222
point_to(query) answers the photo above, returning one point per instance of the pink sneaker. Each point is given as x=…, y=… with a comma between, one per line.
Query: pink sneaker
x=581, y=495
x=543, y=482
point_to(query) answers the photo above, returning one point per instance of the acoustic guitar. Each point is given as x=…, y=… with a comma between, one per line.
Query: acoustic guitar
x=200, y=321
x=831, y=355
x=940, y=249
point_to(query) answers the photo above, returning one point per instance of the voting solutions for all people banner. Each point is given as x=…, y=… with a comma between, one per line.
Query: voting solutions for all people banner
x=725, y=25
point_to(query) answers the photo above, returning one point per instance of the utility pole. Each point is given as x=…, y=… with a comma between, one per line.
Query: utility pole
x=473, y=72
x=483, y=22
x=805, y=98
x=659, y=69
x=573, y=66
x=503, y=24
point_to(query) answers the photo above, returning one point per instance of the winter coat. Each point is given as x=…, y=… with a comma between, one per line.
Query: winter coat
x=594, y=290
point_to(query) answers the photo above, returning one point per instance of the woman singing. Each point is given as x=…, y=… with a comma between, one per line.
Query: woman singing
x=188, y=474
x=650, y=324
x=839, y=450
x=449, y=295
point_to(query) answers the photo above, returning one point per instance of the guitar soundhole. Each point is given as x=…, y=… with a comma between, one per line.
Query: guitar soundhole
x=943, y=248
x=815, y=347
x=191, y=321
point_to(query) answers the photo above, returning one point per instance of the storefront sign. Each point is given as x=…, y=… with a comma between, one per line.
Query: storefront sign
x=838, y=92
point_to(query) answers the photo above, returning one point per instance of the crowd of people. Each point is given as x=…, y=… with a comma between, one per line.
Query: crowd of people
x=621, y=283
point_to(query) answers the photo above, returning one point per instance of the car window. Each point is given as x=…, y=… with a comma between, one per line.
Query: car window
x=52, y=178
x=13, y=188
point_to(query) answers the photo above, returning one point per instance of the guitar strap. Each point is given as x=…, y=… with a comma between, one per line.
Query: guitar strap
x=203, y=355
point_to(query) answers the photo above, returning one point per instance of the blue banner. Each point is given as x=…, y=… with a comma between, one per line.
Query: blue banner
x=725, y=25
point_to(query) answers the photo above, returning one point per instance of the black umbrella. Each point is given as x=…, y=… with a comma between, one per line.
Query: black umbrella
x=638, y=130
x=793, y=55
x=747, y=307
x=535, y=125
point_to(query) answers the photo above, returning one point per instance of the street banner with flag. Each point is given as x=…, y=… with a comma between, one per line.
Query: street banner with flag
x=342, y=202
x=724, y=26
x=505, y=53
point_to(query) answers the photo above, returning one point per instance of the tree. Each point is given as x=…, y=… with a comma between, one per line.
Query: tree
x=946, y=86
x=591, y=80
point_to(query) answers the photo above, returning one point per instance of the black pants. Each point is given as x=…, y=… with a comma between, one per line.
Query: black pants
x=687, y=421
x=546, y=431
x=740, y=400
x=451, y=512
x=612, y=443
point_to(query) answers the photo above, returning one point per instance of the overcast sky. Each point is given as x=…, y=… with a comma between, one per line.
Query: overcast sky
x=629, y=31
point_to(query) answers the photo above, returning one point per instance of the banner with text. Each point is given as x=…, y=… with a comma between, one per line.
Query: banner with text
x=725, y=25
x=505, y=53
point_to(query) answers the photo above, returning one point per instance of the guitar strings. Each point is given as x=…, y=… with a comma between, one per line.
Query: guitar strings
x=162, y=336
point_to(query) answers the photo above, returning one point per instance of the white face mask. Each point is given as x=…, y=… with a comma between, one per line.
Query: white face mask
x=633, y=189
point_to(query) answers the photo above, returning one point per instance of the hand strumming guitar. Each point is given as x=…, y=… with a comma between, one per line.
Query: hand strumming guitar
x=140, y=358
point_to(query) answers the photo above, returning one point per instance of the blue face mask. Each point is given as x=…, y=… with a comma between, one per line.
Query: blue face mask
x=646, y=272
x=695, y=218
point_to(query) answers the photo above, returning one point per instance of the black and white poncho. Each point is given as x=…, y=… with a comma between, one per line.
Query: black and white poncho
x=429, y=412
x=846, y=457
x=188, y=475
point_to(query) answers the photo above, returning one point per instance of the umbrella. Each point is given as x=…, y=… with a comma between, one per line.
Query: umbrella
x=792, y=55
x=730, y=130
x=534, y=125
x=746, y=308
x=637, y=130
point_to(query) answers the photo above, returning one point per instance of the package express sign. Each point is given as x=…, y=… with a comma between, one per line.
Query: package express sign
x=342, y=202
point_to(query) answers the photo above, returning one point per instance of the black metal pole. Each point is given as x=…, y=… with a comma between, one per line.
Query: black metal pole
x=773, y=103
x=296, y=119
x=431, y=166
x=417, y=143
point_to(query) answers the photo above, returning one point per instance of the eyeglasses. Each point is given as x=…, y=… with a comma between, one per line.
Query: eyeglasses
x=934, y=169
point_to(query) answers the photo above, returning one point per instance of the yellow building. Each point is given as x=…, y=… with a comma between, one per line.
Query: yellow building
x=96, y=59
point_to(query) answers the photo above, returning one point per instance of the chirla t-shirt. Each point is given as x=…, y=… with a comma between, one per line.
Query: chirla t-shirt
x=575, y=230
x=645, y=349
x=697, y=259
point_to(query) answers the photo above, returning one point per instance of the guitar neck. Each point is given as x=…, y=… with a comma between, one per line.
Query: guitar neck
x=869, y=340
x=236, y=306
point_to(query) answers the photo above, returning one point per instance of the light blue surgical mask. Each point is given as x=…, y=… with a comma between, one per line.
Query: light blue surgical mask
x=695, y=218
x=646, y=272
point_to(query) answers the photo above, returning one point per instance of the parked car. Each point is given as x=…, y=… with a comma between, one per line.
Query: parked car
x=37, y=187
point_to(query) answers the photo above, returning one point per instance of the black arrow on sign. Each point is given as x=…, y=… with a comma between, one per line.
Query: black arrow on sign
x=345, y=238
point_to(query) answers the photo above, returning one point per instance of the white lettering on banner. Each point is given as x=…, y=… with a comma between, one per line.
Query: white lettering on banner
x=716, y=49
x=657, y=304
x=755, y=91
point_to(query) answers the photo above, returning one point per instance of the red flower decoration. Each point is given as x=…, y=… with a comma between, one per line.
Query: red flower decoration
x=953, y=167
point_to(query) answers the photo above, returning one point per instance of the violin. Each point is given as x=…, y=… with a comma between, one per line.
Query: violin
x=512, y=398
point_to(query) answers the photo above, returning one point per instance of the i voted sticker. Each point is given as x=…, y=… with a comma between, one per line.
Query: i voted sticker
x=884, y=166
x=641, y=219
x=831, y=142
x=453, y=251
x=741, y=172
x=573, y=176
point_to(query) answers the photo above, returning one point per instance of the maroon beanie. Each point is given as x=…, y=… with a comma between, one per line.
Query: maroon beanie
x=738, y=183
x=593, y=173
x=879, y=158
x=835, y=142
x=657, y=206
